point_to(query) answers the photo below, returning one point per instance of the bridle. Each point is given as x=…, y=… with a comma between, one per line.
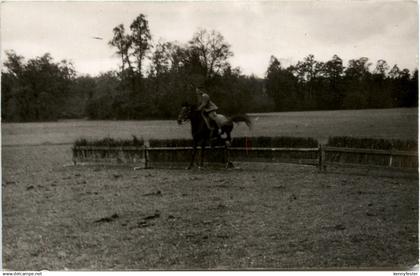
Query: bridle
x=184, y=115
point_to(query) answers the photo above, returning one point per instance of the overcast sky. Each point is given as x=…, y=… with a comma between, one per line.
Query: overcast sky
x=255, y=30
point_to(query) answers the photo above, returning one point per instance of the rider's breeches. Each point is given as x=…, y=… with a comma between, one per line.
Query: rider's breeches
x=212, y=115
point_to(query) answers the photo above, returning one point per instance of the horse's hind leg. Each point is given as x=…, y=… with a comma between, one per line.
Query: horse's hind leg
x=228, y=140
x=228, y=163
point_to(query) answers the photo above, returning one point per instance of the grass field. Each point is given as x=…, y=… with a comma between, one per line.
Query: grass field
x=258, y=216
x=380, y=123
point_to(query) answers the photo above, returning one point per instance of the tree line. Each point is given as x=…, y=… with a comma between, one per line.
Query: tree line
x=314, y=85
x=154, y=79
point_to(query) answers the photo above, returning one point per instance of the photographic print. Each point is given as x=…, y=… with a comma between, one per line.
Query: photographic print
x=200, y=135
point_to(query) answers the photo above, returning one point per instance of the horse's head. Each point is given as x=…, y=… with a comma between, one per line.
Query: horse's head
x=185, y=113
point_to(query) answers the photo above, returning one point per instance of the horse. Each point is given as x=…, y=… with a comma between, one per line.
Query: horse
x=202, y=134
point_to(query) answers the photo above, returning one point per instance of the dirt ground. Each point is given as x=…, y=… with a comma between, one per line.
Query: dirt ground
x=257, y=216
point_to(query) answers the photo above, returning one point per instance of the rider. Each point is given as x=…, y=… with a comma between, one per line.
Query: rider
x=207, y=108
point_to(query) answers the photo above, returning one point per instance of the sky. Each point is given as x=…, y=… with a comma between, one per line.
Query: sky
x=256, y=30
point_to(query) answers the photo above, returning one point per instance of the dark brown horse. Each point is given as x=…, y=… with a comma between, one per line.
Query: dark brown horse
x=202, y=135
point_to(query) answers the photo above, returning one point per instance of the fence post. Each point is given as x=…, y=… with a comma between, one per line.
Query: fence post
x=321, y=158
x=390, y=160
x=146, y=157
x=74, y=159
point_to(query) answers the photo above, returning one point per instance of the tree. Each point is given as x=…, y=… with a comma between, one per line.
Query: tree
x=212, y=51
x=413, y=90
x=395, y=72
x=380, y=92
x=10, y=81
x=132, y=49
x=14, y=64
x=123, y=44
x=356, y=81
x=308, y=73
x=358, y=69
x=140, y=38
x=308, y=69
x=281, y=86
x=35, y=90
x=381, y=68
x=333, y=69
x=333, y=73
x=407, y=86
x=161, y=59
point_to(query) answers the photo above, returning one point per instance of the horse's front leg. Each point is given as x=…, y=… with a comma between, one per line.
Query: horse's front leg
x=192, y=156
x=203, y=146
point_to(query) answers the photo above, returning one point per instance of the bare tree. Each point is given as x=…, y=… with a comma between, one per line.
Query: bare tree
x=213, y=51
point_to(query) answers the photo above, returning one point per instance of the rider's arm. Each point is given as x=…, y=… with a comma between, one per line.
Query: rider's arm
x=204, y=100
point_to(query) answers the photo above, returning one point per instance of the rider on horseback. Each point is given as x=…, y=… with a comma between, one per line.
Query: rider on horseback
x=208, y=109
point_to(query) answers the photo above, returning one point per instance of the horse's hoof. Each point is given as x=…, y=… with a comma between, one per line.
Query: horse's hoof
x=229, y=165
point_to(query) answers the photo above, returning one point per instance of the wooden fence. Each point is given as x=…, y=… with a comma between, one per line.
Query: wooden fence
x=181, y=156
x=362, y=157
x=321, y=156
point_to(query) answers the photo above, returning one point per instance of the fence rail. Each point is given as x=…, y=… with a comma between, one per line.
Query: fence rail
x=370, y=151
x=101, y=148
x=275, y=149
x=321, y=156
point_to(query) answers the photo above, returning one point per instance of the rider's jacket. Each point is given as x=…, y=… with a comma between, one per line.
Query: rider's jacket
x=206, y=104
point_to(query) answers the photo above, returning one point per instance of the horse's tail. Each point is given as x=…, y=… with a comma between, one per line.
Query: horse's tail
x=241, y=118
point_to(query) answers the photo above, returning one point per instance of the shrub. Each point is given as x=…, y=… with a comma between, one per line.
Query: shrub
x=110, y=142
x=275, y=142
x=371, y=143
x=170, y=143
